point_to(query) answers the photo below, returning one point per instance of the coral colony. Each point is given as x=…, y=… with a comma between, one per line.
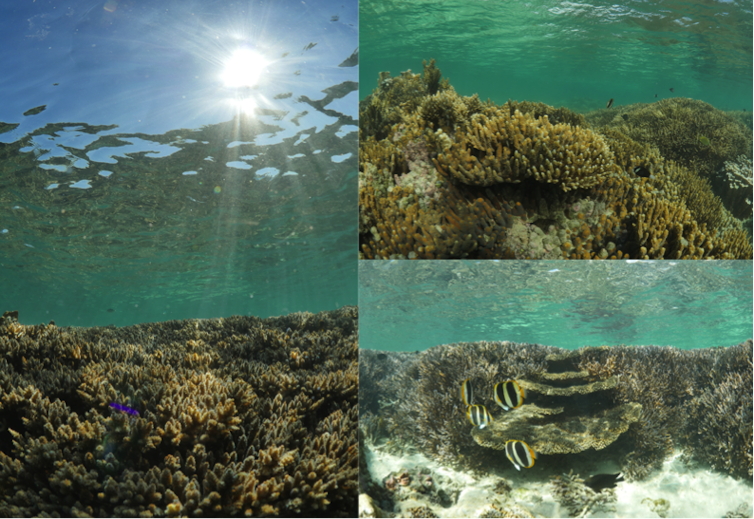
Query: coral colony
x=447, y=176
x=237, y=417
x=629, y=406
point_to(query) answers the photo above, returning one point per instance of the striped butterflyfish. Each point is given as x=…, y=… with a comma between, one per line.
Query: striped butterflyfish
x=508, y=395
x=520, y=454
x=467, y=393
x=479, y=416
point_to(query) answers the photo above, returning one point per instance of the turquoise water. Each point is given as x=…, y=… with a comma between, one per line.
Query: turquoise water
x=146, y=176
x=564, y=53
x=411, y=305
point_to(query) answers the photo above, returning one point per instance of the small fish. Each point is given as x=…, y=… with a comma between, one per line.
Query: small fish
x=641, y=171
x=610, y=103
x=655, y=95
x=479, y=416
x=467, y=392
x=520, y=454
x=124, y=408
x=381, y=356
x=599, y=482
x=704, y=140
x=672, y=90
x=625, y=117
x=508, y=395
x=110, y=310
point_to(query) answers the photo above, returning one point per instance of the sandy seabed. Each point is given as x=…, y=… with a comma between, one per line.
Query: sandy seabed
x=688, y=490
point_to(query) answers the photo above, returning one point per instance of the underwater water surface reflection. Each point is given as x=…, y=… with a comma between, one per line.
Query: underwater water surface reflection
x=408, y=305
x=161, y=190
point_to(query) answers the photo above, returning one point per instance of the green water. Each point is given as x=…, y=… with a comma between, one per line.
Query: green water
x=411, y=305
x=139, y=185
x=567, y=54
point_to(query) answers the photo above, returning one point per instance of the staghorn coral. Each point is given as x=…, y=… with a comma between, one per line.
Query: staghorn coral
x=448, y=176
x=236, y=416
x=720, y=414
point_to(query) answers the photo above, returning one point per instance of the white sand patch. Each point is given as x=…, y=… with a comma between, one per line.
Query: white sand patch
x=688, y=491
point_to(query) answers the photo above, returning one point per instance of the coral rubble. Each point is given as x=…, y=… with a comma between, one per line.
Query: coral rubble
x=570, y=491
x=236, y=416
x=447, y=176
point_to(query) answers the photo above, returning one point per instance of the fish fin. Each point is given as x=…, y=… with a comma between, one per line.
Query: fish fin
x=482, y=426
x=505, y=407
x=517, y=467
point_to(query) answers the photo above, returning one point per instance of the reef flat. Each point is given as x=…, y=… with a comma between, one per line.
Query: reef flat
x=203, y=417
x=629, y=409
x=449, y=176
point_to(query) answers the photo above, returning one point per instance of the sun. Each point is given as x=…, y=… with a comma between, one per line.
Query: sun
x=244, y=68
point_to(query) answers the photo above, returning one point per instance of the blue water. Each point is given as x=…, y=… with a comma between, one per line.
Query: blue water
x=412, y=305
x=566, y=53
x=142, y=180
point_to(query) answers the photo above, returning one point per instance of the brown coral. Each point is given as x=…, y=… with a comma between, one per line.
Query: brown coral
x=235, y=416
x=448, y=176
x=507, y=147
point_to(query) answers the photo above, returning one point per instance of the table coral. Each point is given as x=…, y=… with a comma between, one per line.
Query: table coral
x=236, y=416
x=663, y=398
x=564, y=413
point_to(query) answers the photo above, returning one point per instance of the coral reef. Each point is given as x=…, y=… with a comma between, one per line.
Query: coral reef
x=687, y=131
x=505, y=147
x=696, y=399
x=734, y=183
x=571, y=492
x=447, y=176
x=424, y=408
x=236, y=416
x=577, y=416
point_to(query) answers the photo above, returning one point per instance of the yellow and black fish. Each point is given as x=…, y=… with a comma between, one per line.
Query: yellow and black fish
x=508, y=395
x=610, y=103
x=479, y=416
x=467, y=392
x=520, y=454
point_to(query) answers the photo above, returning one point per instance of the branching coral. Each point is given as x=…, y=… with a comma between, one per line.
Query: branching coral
x=505, y=147
x=236, y=416
x=698, y=400
x=448, y=176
